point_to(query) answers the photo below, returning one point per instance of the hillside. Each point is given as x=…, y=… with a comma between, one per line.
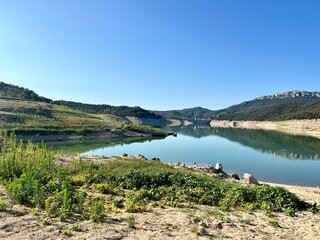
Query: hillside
x=122, y=111
x=26, y=113
x=12, y=91
x=53, y=122
x=282, y=106
x=277, y=107
x=187, y=113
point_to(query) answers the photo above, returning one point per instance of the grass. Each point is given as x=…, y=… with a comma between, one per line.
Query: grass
x=84, y=190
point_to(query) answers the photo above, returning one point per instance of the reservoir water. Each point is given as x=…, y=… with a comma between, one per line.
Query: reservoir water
x=267, y=155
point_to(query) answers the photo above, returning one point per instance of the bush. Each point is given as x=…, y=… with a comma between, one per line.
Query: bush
x=97, y=209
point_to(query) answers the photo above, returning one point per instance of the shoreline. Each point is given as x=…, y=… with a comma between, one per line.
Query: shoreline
x=112, y=135
x=306, y=193
x=305, y=127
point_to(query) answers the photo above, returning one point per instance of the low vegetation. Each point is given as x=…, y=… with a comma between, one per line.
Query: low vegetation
x=87, y=190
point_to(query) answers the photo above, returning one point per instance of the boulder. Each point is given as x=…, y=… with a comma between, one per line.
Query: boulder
x=155, y=159
x=249, y=179
x=234, y=176
x=311, y=203
x=124, y=155
x=219, y=167
x=140, y=156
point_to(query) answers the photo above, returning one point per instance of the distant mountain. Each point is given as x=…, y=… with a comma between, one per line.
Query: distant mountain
x=187, y=113
x=282, y=106
x=15, y=92
x=122, y=111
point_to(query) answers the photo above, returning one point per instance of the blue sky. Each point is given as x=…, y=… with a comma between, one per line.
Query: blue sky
x=160, y=54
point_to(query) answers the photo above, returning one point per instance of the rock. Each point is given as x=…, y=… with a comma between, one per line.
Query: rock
x=124, y=155
x=248, y=178
x=196, y=220
x=155, y=159
x=218, y=167
x=183, y=165
x=234, y=176
x=312, y=203
x=140, y=156
x=202, y=231
x=217, y=226
x=222, y=175
x=203, y=224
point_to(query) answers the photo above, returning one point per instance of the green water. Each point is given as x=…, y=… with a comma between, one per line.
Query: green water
x=268, y=155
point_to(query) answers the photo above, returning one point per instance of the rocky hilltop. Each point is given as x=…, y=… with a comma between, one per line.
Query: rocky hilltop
x=291, y=94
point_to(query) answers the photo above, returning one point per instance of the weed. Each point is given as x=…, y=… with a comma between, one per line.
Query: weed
x=194, y=228
x=131, y=221
x=35, y=211
x=3, y=206
x=274, y=224
x=67, y=232
x=76, y=228
x=97, y=209
x=47, y=221
x=118, y=203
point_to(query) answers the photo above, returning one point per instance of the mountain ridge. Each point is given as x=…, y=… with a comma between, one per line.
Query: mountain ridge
x=281, y=106
x=293, y=94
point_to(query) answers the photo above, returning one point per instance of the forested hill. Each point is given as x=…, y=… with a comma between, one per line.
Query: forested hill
x=282, y=106
x=15, y=92
x=187, y=113
x=277, y=107
x=108, y=109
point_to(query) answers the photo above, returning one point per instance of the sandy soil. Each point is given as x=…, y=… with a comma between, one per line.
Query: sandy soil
x=297, y=127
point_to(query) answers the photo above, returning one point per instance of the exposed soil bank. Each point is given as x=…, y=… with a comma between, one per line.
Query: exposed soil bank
x=116, y=134
x=297, y=127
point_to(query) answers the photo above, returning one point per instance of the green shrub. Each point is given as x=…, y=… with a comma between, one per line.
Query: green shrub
x=3, y=206
x=97, y=209
x=131, y=221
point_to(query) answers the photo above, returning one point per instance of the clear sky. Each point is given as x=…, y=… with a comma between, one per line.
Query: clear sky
x=160, y=54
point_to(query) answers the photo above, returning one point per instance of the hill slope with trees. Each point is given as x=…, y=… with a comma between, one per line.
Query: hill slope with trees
x=283, y=106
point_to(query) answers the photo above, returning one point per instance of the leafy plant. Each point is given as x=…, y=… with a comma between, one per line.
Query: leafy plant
x=97, y=209
x=131, y=221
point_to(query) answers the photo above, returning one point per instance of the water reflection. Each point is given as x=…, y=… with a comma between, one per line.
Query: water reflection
x=270, y=142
